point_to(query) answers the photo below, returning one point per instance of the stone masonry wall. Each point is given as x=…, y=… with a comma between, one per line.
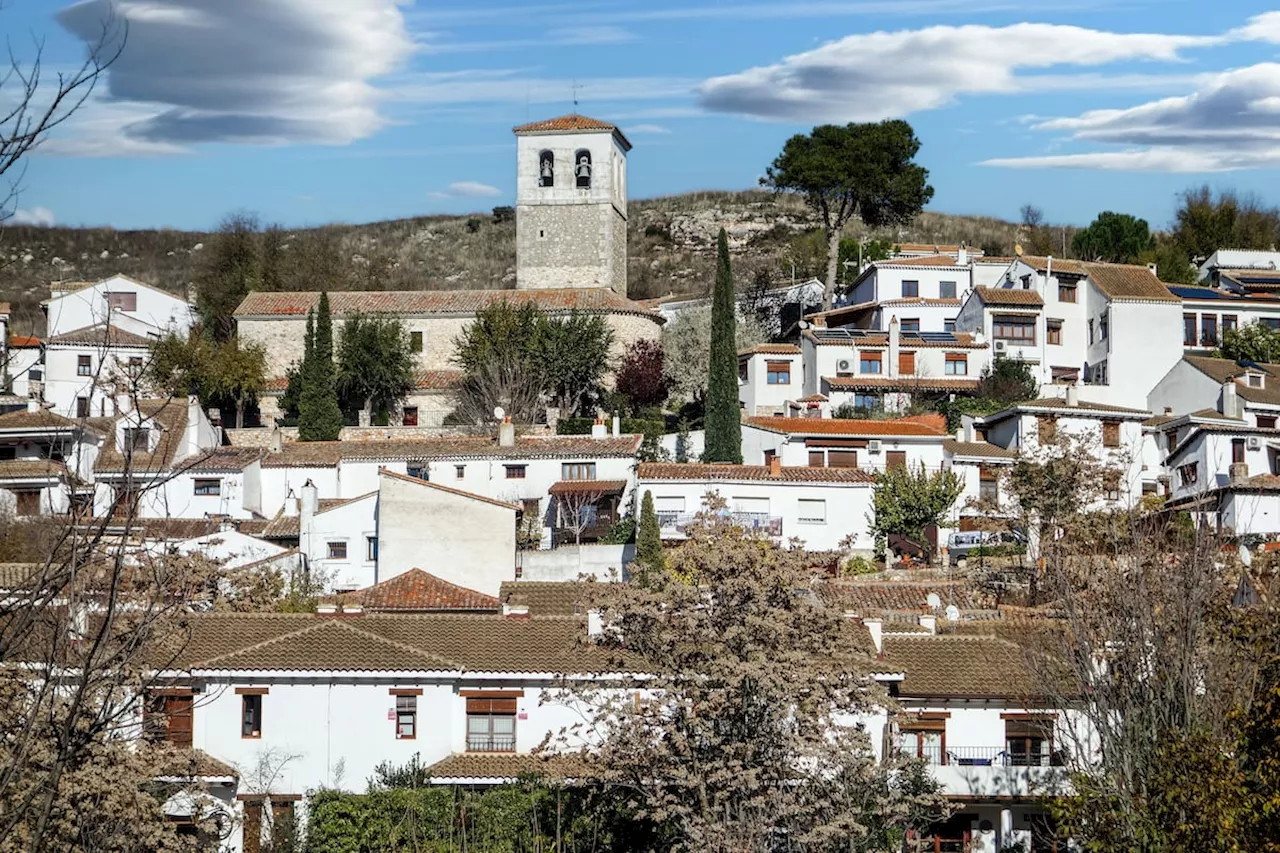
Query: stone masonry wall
x=567, y=245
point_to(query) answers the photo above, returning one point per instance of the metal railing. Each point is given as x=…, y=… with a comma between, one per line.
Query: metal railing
x=987, y=756
x=491, y=743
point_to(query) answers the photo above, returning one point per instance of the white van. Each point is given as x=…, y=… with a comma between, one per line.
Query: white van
x=960, y=544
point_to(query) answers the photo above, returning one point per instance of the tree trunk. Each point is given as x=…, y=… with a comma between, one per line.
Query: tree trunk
x=239, y=412
x=833, y=267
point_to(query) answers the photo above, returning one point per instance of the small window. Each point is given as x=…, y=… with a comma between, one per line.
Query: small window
x=1026, y=282
x=1266, y=422
x=84, y=365
x=1111, y=485
x=582, y=169
x=1208, y=330
x=743, y=366
x=1188, y=474
x=1111, y=434
x=135, y=438
x=251, y=715
x=988, y=484
x=576, y=470
x=418, y=472
x=911, y=324
x=406, y=717
x=1103, y=324
x=924, y=739
x=208, y=488
x=957, y=364
x=1019, y=329
x=813, y=511
x=817, y=459
x=910, y=289
x=135, y=365
x=546, y=171
x=1237, y=451
x=906, y=364
x=167, y=716
x=516, y=472
x=949, y=325
x=1066, y=292
x=869, y=402
x=1255, y=380
x=1053, y=332
x=895, y=459
x=35, y=374
x=410, y=416
x=1029, y=742
x=82, y=407
x=122, y=301
x=371, y=549
x=779, y=372
x=869, y=362
x=1091, y=330
x=459, y=472
x=1228, y=323
x=1188, y=330
x=338, y=550
x=947, y=290
x=415, y=341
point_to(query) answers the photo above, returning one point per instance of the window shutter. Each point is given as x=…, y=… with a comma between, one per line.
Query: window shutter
x=491, y=706
x=907, y=363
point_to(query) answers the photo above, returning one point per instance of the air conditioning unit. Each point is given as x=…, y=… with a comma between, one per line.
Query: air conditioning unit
x=1000, y=346
x=873, y=446
x=844, y=365
x=1254, y=443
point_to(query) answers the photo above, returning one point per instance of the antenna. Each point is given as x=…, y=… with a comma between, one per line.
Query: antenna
x=576, y=87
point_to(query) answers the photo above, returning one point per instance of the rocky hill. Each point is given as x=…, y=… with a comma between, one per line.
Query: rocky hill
x=671, y=244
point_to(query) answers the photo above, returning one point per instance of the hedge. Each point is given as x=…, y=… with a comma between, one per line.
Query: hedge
x=629, y=426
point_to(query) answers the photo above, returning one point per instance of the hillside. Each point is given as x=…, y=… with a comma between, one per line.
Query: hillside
x=671, y=243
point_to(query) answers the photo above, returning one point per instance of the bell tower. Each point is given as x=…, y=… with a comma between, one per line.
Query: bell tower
x=571, y=204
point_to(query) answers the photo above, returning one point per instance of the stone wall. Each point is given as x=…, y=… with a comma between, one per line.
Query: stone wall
x=568, y=245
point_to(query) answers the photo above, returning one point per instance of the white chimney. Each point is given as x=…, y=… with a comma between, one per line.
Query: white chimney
x=962, y=257
x=515, y=610
x=33, y=405
x=875, y=628
x=960, y=434
x=1230, y=400
x=892, y=369
x=929, y=622
x=595, y=623
x=309, y=504
x=277, y=440
x=290, y=504
x=326, y=609
x=599, y=430
x=617, y=426
x=506, y=433
x=1073, y=396
x=966, y=423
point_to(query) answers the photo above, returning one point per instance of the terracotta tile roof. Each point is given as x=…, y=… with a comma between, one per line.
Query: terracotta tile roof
x=176, y=528
x=1256, y=483
x=40, y=419
x=924, y=425
x=873, y=339
x=440, y=487
x=930, y=261
x=874, y=598
x=327, y=504
x=31, y=469
x=749, y=473
x=920, y=300
x=551, y=598
x=465, y=303
x=327, y=643
x=771, y=349
x=977, y=448
x=197, y=764
x=282, y=527
x=100, y=335
x=420, y=591
x=1058, y=404
x=588, y=487
x=1129, y=282
x=572, y=121
x=304, y=454
x=813, y=398
x=171, y=415
x=906, y=383
x=1060, y=265
x=437, y=380
x=1007, y=296
x=936, y=248
x=23, y=341
x=328, y=453
x=958, y=666
x=506, y=767
x=225, y=460
x=1221, y=369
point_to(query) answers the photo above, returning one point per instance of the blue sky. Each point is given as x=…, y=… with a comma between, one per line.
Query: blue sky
x=314, y=111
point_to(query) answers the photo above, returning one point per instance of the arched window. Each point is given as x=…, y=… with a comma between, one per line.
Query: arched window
x=582, y=168
x=546, y=169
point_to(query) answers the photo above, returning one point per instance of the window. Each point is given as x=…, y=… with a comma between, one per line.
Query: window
x=813, y=511
x=906, y=363
x=406, y=714
x=779, y=372
x=1266, y=422
x=167, y=717
x=1047, y=428
x=1020, y=329
x=491, y=725
x=410, y=416
x=1090, y=330
x=26, y=502
x=1237, y=451
x=338, y=550
x=35, y=374
x=1188, y=474
x=1096, y=374
x=1228, y=323
x=1188, y=330
x=869, y=362
x=82, y=407
x=516, y=472
x=895, y=459
x=1053, y=332
x=1111, y=485
x=925, y=739
x=957, y=364
x=1270, y=322
x=949, y=325
x=1111, y=434
x=1066, y=292
x=1208, y=330
x=842, y=458
x=84, y=365
x=251, y=715
x=546, y=169
x=582, y=168
x=862, y=400
x=910, y=324
x=910, y=289
x=459, y=472
x=122, y=301
x=817, y=459
x=742, y=369
x=1029, y=742
x=418, y=472
x=415, y=341
x=371, y=549
x=1026, y=282
x=208, y=488
x=947, y=290
x=988, y=484
x=1104, y=323
x=134, y=438
x=577, y=471
x=135, y=365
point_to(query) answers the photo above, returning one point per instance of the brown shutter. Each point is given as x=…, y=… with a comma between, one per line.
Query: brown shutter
x=178, y=712
x=896, y=459
x=842, y=458
x=491, y=706
x=1110, y=434
x=907, y=363
x=817, y=459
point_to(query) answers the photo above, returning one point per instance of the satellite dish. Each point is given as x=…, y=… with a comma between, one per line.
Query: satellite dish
x=934, y=601
x=953, y=613
x=499, y=412
x=1246, y=556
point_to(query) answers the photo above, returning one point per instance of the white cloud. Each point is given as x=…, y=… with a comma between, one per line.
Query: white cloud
x=1232, y=121
x=467, y=189
x=513, y=85
x=41, y=216
x=288, y=71
x=646, y=129
x=873, y=76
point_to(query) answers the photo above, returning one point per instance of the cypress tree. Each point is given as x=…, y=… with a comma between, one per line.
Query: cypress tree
x=649, y=537
x=723, y=423
x=319, y=415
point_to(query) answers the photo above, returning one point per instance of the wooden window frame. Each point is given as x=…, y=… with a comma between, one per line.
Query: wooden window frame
x=459, y=472
x=371, y=549
x=867, y=358
x=251, y=711
x=913, y=322
x=820, y=456
x=84, y=365
x=1189, y=327
x=895, y=459
x=1266, y=421
x=416, y=341
x=516, y=472
x=1111, y=485
x=331, y=549
x=1068, y=290
x=954, y=358
x=406, y=711
x=777, y=372
x=842, y=458
x=1053, y=333
x=1046, y=428
x=1110, y=433
x=203, y=483
x=1004, y=325
x=122, y=300
x=409, y=416
x=925, y=724
x=1237, y=451
x=491, y=707
x=578, y=471
x=942, y=290
x=910, y=288
x=907, y=363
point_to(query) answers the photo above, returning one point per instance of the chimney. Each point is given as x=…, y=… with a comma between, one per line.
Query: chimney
x=617, y=426
x=306, y=512
x=1168, y=410
x=960, y=434
x=1230, y=400
x=1073, y=396
x=929, y=622
x=290, y=504
x=1238, y=472
x=277, y=440
x=892, y=370
x=553, y=418
x=506, y=433
x=327, y=608
x=515, y=610
x=33, y=405
x=962, y=257
x=598, y=429
x=775, y=466
x=1153, y=269
x=353, y=609
x=966, y=423
x=595, y=623
x=875, y=628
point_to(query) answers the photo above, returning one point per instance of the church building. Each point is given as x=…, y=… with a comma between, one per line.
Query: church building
x=571, y=255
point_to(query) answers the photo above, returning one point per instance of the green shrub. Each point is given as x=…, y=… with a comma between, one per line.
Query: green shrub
x=858, y=566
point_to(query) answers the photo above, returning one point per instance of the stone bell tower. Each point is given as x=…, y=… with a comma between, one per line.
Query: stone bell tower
x=571, y=204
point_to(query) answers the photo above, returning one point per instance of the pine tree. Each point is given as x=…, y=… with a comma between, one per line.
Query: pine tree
x=649, y=537
x=319, y=415
x=724, y=427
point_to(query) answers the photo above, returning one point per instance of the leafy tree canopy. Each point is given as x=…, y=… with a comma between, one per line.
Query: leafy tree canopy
x=1206, y=222
x=909, y=500
x=1114, y=237
x=641, y=378
x=1251, y=342
x=375, y=364
x=723, y=421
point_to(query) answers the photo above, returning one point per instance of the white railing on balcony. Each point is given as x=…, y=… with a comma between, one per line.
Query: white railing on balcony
x=674, y=523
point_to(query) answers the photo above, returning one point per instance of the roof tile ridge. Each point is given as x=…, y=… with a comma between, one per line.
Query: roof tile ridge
x=405, y=647
x=253, y=647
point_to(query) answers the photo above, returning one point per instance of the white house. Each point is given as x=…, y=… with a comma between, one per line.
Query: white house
x=923, y=292
x=980, y=465
x=844, y=443
x=819, y=506
x=46, y=460
x=769, y=375
x=118, y=301
x=1218, y=385
x=94, y=371
x=24, y=365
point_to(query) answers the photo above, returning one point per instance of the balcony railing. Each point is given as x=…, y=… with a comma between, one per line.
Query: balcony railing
x=989, y=756
x=674, y=523
x=491, y=743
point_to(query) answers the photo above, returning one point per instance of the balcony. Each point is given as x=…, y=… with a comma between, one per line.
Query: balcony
x=994, y=771
x=491, y=743
x=673, y=524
